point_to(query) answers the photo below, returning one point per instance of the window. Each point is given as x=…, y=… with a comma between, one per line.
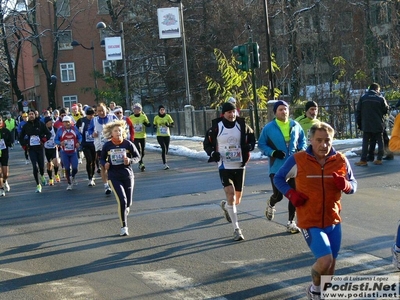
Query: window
x=107, y=67
x=68, y=101
x=63, y=8
x=64, y=40
x=103, y=9
x=67, y=71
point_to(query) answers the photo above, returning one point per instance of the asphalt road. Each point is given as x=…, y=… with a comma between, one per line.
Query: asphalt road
x=65, y=244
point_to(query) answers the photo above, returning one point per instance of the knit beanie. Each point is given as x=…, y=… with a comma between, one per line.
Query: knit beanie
x=278, y=103
x=227, y=107
x=310, y=104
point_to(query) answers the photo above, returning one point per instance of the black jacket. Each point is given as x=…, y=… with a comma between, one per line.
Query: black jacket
x=6, y=136
x=247, y=140
x=371, y=110
x=31, y=128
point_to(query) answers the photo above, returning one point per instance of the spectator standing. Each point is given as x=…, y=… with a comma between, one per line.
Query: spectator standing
x=140, y=122
x=321, y=175
x=229, y=142
x=279, y=139
x=162, y=123
x=117, y=155
x=371, y=110
x=33, y=134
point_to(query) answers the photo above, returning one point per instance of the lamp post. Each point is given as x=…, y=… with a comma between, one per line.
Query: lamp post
x=76, y=43
x=185, y=65
x=102, y=25
x=271, y=81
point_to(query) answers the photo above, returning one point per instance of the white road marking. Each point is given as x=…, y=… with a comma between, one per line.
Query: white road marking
x=180, y=287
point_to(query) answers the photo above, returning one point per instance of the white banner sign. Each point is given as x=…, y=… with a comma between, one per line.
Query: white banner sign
x=113, y=48
x=169, y=25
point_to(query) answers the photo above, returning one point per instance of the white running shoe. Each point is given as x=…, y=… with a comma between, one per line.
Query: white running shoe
x=311, y=295
x=166, y=167
x=74, y=182
x=27, y=162
x=124, y=231
x=2, y=193
x=237, y=235
x=270, y=211
x=226, y=214
x=69, y=187
x=291, y=227
x=6, y=186
x=91, y=182
x=80, y=161
x=107, y=189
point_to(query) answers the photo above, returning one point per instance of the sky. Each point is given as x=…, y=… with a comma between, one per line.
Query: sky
x=188, y=146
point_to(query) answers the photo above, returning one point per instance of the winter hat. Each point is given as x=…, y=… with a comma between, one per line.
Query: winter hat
x=117, y=109
x=310, y=104
x=228, y=106
x=278, y=103
x=47, y=119
x=67, y=119
x=25, y=114
x=232, y=100
x=161, y=106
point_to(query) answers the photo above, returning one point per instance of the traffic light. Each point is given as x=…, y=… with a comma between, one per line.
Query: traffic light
x=256, y=56
x=243, y=52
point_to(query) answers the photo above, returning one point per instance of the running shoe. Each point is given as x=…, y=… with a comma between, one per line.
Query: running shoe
x=396, y=257
x=142, y=167
x=27, y=162
x=124, y=231
x=69, y=187
x=166, y=167
x=128, y=209
x=2, y=193
x=6, y=186
x=361, y=163
x=57, y=177
x=74, y=182
x=270, y=211
x=38, y=188
x=226, y=214
x=291, y=227
x=377, y=162
x=311, y=295
x=237, y=235
x=42, y=180
x=91, y=182
x=107, y=189
x=80, y=161
x=51, y=182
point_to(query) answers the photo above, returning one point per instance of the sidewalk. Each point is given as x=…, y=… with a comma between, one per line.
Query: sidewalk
x=193, y=147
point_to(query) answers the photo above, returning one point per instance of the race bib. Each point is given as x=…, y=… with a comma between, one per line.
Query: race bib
x=2, y=144
x=233, y=153
x=138, y=127
x=69, y=145
x=88, y=137
x=50, y=144
x=117, y=156
x=163, y=130
x=34, y=140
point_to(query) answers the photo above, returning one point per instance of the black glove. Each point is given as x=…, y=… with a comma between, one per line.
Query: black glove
x=279, y=154
x=216, y=156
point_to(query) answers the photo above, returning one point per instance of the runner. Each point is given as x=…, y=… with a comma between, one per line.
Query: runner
x=51, y=152
x=5, y=144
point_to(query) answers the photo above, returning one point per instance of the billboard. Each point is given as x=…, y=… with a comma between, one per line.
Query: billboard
x=169, y=26
x=113, y=48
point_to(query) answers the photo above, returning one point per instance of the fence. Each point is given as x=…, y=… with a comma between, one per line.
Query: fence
x=196, y=122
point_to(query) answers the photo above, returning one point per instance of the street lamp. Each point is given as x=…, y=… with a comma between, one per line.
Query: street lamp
x=76, y=43
x=102, y=25
x=185, y=66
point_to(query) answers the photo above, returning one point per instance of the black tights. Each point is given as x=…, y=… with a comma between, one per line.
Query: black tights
x=164, y=143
